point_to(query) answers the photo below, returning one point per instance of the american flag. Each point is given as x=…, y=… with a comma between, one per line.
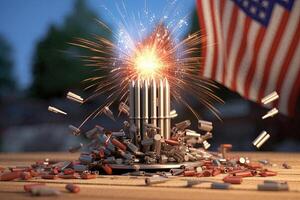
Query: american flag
x=253, y=47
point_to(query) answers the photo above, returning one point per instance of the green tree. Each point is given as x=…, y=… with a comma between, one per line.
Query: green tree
x=7, y=82
x=56, y=66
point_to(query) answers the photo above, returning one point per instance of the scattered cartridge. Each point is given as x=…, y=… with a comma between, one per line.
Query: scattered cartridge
x=75, y=130
x=123, y=108
x=271, y=113
x=261, y=139
x=270, y=98
x=108, y=113
x=74, y=97
x=56, y=110
x=205, y=125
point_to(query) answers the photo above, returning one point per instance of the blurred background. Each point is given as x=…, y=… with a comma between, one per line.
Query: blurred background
x=38, y=68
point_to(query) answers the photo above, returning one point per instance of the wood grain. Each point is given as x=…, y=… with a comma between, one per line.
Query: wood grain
x=123, y=187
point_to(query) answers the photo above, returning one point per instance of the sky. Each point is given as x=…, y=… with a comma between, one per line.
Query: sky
x=25, y=22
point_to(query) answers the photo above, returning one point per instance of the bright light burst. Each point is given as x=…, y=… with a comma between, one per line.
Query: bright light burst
x=152, y=50
x=147, y=62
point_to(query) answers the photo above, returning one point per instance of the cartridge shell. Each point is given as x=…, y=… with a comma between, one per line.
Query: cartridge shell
x=72, y=188
x=233, y=179
x=9, y=176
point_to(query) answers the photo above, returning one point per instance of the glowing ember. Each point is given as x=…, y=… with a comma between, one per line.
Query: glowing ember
x=152, y=57
x=147, y=62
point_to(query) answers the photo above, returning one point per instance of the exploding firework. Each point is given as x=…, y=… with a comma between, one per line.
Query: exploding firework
x=159, y=54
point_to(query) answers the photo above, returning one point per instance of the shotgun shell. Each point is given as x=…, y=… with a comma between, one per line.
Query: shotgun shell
x=206, y=173
x=269, y=98
x=199, y=169
x=242, y=160
x=157, y=144
x=125, y=155
x=25, y=176
x=206, y=145
x=233, y=179
x=68, y=171
x=9, y=176
x=286, y=166
x=119, y=161
x=267, y=173
x=119, y=134
x=85, y=159
x=87, y=175
x=224, y=149
x=243, y=174
x=205, y=125
x=254, y=166
x=155, y=180
x=79, y=168
x=191, y=133
x=101, y=153
x=44, y=191
x=54, y=171
x=107, y=169
x=163, y=159
x=220, y=186
x=147, y=142
x=132, y=147
x=2, y=169
x=110, y=160
x=216, y=172
x=28, y=187
x=176, y=172
x=34, y=173
x=69, y=176
x=72, y=188
x=19, y=169
x=189, y=173
x=49, y=176
x=183, y=125
x=171, y=142
x=273, y=187
x=92, y=134
x=124, y=108
x=106, y=111
x=118, y=144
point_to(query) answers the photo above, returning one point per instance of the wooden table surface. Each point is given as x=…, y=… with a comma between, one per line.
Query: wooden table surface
x=123, y=187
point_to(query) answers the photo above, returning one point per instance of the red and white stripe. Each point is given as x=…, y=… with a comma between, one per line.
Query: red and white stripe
x=249, y=58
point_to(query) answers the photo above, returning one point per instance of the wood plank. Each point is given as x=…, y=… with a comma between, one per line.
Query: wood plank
x=123, y=187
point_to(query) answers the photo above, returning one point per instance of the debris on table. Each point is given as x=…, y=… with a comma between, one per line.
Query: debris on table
x=137, y=148
x=286, y=166
x=72, y=188
x=44, y=191
x=28, y=187
x=155, y=180
x=220, y=186
x=273, y=186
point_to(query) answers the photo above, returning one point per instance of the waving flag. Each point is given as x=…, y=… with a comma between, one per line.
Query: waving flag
x=253, y=47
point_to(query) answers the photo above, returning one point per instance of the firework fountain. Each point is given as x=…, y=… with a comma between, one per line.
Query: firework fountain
x=148, y=73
